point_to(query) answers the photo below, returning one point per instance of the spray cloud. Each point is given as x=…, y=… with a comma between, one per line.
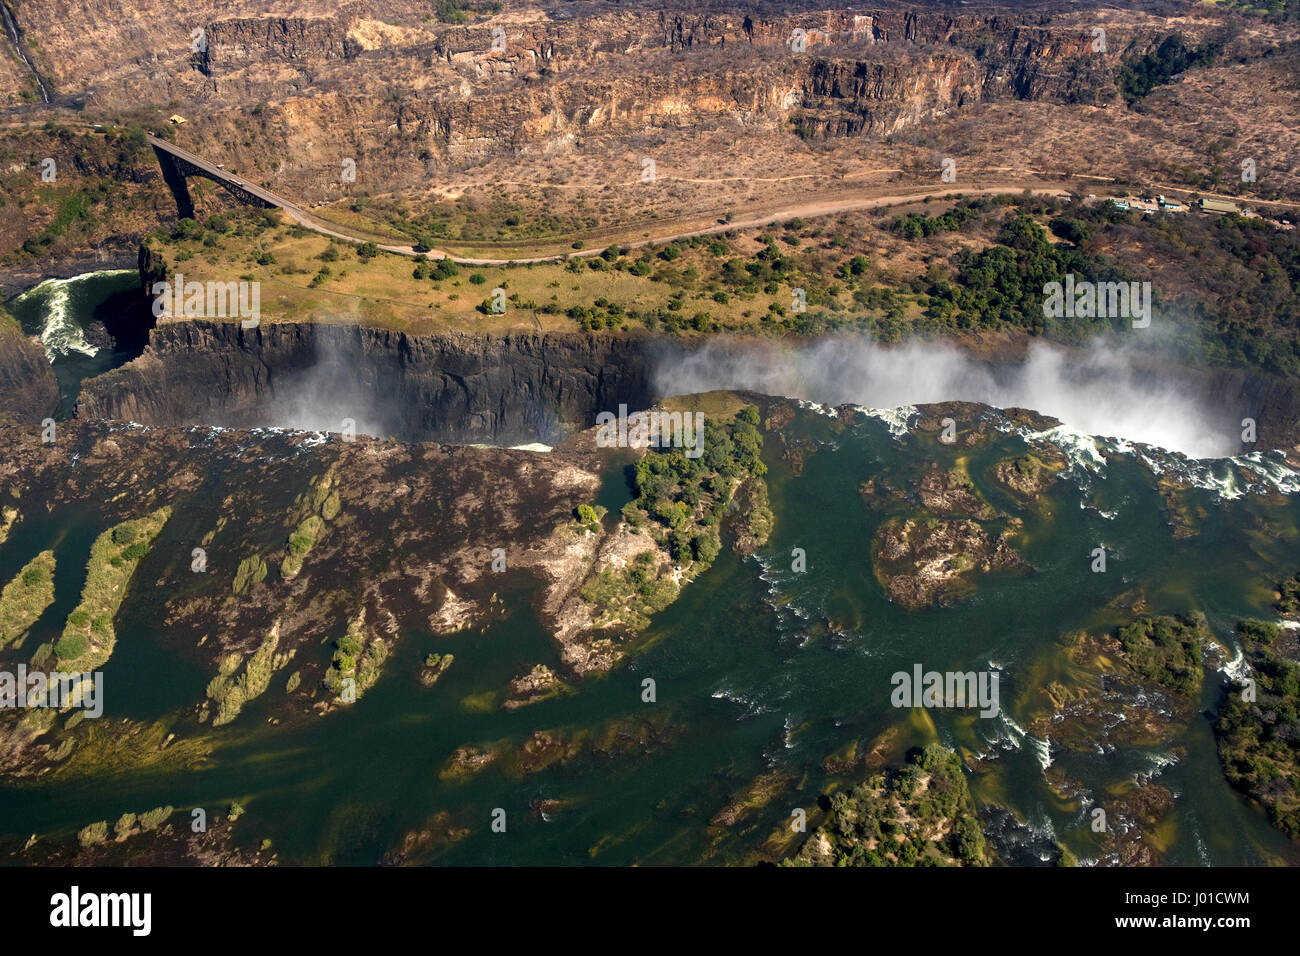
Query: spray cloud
x=1107, y=389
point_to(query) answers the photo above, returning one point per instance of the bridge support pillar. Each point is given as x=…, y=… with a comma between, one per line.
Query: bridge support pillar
x=174, y=177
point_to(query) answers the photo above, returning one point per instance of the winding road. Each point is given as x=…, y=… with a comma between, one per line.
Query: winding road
x=810, y=209
x=801, y=210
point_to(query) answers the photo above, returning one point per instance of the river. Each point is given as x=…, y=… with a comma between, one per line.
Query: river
x=761, y=673
x=62, y=311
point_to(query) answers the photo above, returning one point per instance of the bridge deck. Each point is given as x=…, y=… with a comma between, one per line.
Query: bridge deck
x=223, y=175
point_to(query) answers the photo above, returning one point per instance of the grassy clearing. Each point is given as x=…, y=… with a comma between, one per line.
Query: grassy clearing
x=250, y=571
x=706, y=284
x=25, y=599
x=8, y=515
x=967, y=267
x=312, y=512
x=356, y=660
x=88, y=636
x=231, y=692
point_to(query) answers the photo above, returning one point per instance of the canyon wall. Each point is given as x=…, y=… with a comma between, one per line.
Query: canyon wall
x=285, y=91
x=500, y=389
x=507, y=389
x=28, y=390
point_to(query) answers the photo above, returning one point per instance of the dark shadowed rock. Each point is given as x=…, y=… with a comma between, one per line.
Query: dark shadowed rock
x=28, y=390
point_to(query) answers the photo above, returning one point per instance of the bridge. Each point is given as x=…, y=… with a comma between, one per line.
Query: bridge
x=179, y=164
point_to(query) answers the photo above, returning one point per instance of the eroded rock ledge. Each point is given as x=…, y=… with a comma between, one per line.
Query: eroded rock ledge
x=506, y=389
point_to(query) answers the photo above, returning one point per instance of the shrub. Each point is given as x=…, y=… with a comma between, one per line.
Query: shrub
x=706, y=548
x=153, y=818
x=250, y=571
x=632, y=514
x=35, y=576
x=71, y=646
x=331, y=506
x=93, y=834
x=186, y=229
x=124, y=534
x=350, y=644
x=589, y=517
x=136, y=551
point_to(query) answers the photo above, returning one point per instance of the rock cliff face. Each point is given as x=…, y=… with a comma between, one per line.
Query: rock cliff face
x=501, y=389
x=556, y=80
x=290, y=39
x=392, y=84
x=28, y=390
x=1273, y=401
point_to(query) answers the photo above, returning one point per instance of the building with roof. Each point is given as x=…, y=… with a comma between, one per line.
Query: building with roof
x=1217, y=205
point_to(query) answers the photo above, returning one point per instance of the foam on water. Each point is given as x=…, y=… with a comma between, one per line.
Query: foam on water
x=1236, y=669
x=1041, y=749
x=60, y=332
x=751, y=705
x=1156, y=764
x=534, y=446
x=1041, y=825
x=1202, y=851
x=1079, y=448
x=818, y=407
x=1229, y=478
x=1012, y=734
x=1015, y=727
x=898, y=419
x=792, y=617
x=1005, y=733
x=1226, y=478
x=1272, y=469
